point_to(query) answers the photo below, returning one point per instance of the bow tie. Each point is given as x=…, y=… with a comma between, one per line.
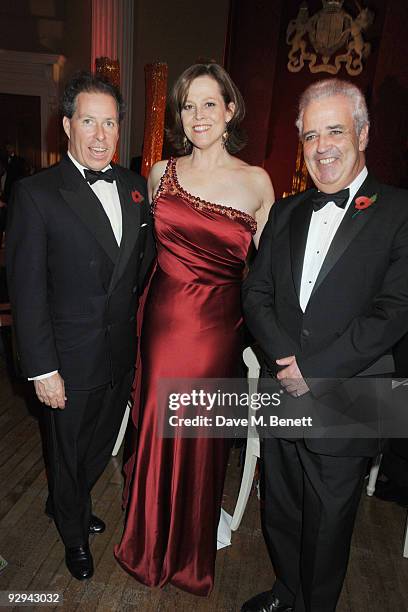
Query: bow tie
x=320, y=199
x=92, y=176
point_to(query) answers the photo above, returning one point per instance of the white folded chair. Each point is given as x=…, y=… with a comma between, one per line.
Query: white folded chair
x=253, y=444
x=122, y=430
x=372, y=478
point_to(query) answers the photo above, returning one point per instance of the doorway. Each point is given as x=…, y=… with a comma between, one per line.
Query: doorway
x=22, y=127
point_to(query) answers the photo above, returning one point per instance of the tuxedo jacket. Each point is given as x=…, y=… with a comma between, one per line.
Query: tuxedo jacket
x=358, y=308
x=74, y=292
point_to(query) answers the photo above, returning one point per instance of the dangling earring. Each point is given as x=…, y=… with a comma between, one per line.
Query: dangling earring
x=185, y=145
x=225, y=138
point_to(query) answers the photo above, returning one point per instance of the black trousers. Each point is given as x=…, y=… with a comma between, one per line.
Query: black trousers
x=310, y=504
x=80, y=440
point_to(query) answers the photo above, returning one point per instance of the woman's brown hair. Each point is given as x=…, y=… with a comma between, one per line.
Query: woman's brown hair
x=230, y=93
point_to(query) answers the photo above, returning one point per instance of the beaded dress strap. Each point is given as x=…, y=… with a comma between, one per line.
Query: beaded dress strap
x=169, y=183
x=165, y=183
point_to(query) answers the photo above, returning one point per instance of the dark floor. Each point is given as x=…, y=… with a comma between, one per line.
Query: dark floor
x=377, y=579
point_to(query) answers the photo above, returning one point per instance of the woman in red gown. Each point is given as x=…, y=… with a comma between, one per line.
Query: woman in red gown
x=207, y=206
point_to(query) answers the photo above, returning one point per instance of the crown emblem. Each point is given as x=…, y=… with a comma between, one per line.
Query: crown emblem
x=329, y=30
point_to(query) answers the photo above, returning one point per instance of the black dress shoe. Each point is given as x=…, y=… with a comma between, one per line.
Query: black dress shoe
x=96, y=525
x=265, y=602
x=79, y=562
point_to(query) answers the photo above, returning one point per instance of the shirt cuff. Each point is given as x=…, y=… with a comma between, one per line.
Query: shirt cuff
x=42, y=376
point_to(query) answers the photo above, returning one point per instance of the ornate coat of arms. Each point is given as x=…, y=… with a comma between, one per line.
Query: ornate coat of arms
x=320, y=36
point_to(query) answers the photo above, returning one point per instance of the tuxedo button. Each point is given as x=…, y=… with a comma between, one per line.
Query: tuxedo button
x=305, y=333
x=134, y=289
x=141, y=255
x=132, y=318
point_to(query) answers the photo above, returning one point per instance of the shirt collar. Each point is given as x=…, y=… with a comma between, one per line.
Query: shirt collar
x=358, y=181
x=80, y=167
x=353, y=188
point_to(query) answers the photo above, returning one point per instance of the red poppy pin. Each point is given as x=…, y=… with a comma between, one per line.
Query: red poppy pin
x=363, y=202
x=137, y=197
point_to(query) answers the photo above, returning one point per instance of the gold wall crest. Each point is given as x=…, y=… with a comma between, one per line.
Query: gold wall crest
x=315, y=39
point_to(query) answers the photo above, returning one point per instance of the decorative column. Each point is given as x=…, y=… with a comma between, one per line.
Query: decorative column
x=300, y=176
x=112, y=37
x=156, y=88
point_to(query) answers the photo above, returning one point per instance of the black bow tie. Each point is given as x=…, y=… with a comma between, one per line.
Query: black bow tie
x=92, y=176
x=320, y=199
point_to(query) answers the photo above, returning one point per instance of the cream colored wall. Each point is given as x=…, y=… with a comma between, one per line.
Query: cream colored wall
x=174, y=31
x=77, y=41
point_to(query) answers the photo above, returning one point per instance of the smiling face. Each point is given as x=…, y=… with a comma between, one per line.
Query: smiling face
x=334, y=153
x=93, y=130
x=204, y=113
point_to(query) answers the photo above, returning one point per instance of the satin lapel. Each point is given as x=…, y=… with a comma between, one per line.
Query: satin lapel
x=350, y=226
x=82, y=200
x=299, y=228
x=130, y=227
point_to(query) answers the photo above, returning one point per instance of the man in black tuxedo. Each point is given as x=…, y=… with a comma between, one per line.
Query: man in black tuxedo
x=326, y=299
x=79, y=246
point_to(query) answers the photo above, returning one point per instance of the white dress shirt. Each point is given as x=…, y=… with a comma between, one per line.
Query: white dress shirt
x=107, y=194
x=322, y=229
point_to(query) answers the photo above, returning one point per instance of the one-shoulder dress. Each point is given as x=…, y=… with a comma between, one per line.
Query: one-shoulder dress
x=192, y=327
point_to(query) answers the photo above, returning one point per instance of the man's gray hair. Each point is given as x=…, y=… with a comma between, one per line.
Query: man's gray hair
x=327, y=88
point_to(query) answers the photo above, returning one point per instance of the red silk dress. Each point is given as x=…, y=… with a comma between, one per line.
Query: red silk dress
x=191, y=328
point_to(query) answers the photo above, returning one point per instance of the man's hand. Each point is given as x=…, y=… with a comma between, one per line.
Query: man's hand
x=51, y=391
x=291, y=377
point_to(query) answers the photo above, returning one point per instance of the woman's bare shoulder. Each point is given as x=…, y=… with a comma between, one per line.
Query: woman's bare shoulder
x=157, y=170
x=255, y=176
x=258, y=174
x=155, y=175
